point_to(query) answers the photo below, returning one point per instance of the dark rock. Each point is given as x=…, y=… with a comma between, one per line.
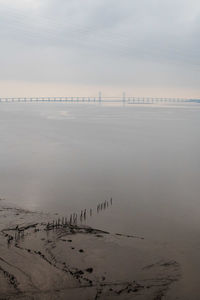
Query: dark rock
x=89, y=270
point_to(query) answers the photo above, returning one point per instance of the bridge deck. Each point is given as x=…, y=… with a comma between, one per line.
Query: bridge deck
x=131, y=100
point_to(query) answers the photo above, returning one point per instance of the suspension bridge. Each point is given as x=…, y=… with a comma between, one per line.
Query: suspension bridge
x=100, y=99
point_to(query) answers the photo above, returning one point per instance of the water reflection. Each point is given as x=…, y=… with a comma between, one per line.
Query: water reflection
x=66, y=158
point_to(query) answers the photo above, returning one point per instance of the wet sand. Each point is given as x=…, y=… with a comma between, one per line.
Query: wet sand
x=40, y=259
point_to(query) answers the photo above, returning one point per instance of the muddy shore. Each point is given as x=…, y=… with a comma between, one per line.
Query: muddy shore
x=41, y=260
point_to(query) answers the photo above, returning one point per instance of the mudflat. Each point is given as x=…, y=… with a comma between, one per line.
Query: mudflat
x=43, y=259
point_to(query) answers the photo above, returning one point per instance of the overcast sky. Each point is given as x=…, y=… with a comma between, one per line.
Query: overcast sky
x=78, y=47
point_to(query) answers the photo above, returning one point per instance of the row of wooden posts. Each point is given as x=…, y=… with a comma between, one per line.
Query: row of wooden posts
x=61, y=222
x=74, y=218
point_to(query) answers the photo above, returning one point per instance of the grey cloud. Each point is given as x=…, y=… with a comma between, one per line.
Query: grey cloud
x=145, y=41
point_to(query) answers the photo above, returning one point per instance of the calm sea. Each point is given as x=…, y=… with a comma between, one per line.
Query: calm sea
x=63, y=158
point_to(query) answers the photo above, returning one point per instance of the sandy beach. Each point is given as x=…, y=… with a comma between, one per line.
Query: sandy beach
x=71, y=261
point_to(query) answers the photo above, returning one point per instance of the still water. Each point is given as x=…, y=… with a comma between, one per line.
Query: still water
x=62, y=158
